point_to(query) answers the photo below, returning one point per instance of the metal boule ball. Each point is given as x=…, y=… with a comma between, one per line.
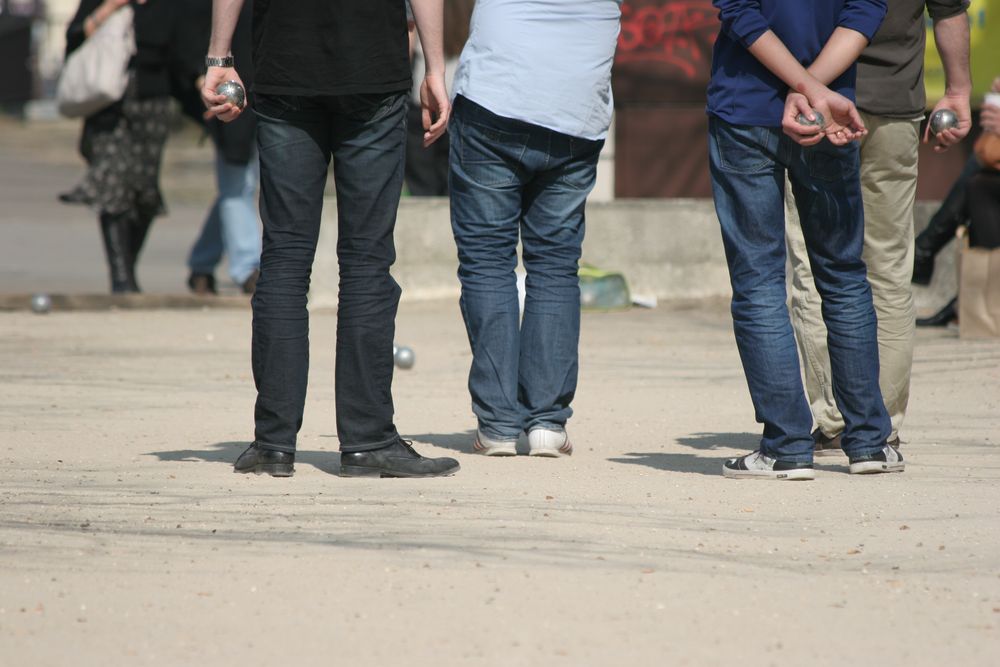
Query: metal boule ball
x=233, y=92
x=943, y=119
x=404, y=357
x=802, y=119
x=41, y=303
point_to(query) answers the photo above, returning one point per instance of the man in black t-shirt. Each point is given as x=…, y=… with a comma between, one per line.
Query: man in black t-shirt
x=331, y=82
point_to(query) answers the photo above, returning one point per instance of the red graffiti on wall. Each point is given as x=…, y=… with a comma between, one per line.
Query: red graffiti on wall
x=675, y=32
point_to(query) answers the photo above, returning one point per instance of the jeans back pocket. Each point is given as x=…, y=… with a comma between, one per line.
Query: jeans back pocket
x=490, y=156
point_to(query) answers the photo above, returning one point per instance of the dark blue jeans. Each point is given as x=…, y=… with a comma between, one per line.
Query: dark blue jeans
x=511, y=179
x=296, y=137
x=748, y=166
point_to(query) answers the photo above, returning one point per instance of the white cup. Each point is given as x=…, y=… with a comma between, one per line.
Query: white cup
x=992, y=100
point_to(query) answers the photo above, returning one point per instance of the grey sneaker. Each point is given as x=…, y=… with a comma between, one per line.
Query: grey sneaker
x=488, y=446
x=888, y=459
x=758, y=466
x=549, y=442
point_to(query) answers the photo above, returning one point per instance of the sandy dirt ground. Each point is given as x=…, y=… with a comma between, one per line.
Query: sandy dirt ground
x=126, y=539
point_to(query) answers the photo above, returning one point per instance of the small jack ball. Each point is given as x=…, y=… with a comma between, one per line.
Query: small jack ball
x=943, y=119
x=41, y=303
x=233, y=92
x=802, y=119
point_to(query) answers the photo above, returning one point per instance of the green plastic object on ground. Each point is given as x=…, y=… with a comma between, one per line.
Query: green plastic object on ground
x=603, y=290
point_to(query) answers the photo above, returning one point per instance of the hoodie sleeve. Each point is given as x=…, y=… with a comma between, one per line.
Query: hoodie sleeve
x=742, y=20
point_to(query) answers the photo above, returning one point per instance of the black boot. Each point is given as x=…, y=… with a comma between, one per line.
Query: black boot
x=115, y=231
x=941, y=318
x=139, y=229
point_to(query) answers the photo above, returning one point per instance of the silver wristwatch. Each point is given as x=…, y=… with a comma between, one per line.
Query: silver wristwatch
x=216, y=61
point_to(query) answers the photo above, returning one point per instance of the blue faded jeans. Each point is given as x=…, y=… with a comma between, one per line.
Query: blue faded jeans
x=296, y=136
x=748, y=166
x=231, y=226
x=508, y=180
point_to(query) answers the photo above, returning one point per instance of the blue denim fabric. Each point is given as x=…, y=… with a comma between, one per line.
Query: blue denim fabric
x=512, y=179
x=296, y=137
x=748, y=166
x=231, y=226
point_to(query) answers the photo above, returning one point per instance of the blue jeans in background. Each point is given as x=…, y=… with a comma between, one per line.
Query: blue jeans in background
x=365, y=135
x=512, y=179
x=748, y=166
x=231, y=226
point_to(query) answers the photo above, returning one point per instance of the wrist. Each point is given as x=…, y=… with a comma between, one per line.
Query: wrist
x=811, y=88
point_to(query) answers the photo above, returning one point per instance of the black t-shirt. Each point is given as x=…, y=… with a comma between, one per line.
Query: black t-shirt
x=330, y=47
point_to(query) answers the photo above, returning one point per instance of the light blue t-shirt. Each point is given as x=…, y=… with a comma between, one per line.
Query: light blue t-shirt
x=545, y=62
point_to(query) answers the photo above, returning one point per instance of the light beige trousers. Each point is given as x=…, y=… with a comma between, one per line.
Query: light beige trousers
x=888, y=187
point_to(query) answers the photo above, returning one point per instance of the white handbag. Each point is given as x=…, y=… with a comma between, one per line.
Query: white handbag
x=96, y=74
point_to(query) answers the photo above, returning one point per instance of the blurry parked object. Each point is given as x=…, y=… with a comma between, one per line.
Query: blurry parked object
x=603, y=290
x=96, y=75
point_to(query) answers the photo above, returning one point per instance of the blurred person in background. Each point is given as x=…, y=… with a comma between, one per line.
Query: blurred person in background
x=979, y=194
x=231, y=227
x=427, y=168
x=123, y=143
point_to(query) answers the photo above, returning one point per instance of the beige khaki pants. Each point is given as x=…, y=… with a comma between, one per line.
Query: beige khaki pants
x=888, y=186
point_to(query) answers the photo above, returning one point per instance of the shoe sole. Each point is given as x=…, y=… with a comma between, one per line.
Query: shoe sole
x=876, y=467
x=799, y=475
x=363, y=471
x=552, y=453
x=272, y=469
x=495, y=450
x=565, y=449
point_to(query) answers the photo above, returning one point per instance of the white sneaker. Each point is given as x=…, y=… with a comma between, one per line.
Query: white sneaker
x=758, y=466
x=548, y=442
x=488, y=446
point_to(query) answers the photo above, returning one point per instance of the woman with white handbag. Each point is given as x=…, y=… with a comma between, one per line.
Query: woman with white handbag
x=123, y=142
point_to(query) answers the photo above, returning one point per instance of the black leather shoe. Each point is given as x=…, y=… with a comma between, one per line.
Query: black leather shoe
x=397, y=460
x=270, y=461
x=941, y=318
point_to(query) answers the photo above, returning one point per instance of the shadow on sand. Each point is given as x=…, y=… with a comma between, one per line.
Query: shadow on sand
x=227, y=452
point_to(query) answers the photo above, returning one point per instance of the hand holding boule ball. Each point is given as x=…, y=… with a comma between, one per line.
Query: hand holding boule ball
x=233, y=92
x=802, y=119
x=943, y=119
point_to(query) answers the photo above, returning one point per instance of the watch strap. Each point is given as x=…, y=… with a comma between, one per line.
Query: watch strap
x=216, y=61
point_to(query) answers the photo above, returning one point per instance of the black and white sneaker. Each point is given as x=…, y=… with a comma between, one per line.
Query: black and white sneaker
x=758, y=466
x=888, y=459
